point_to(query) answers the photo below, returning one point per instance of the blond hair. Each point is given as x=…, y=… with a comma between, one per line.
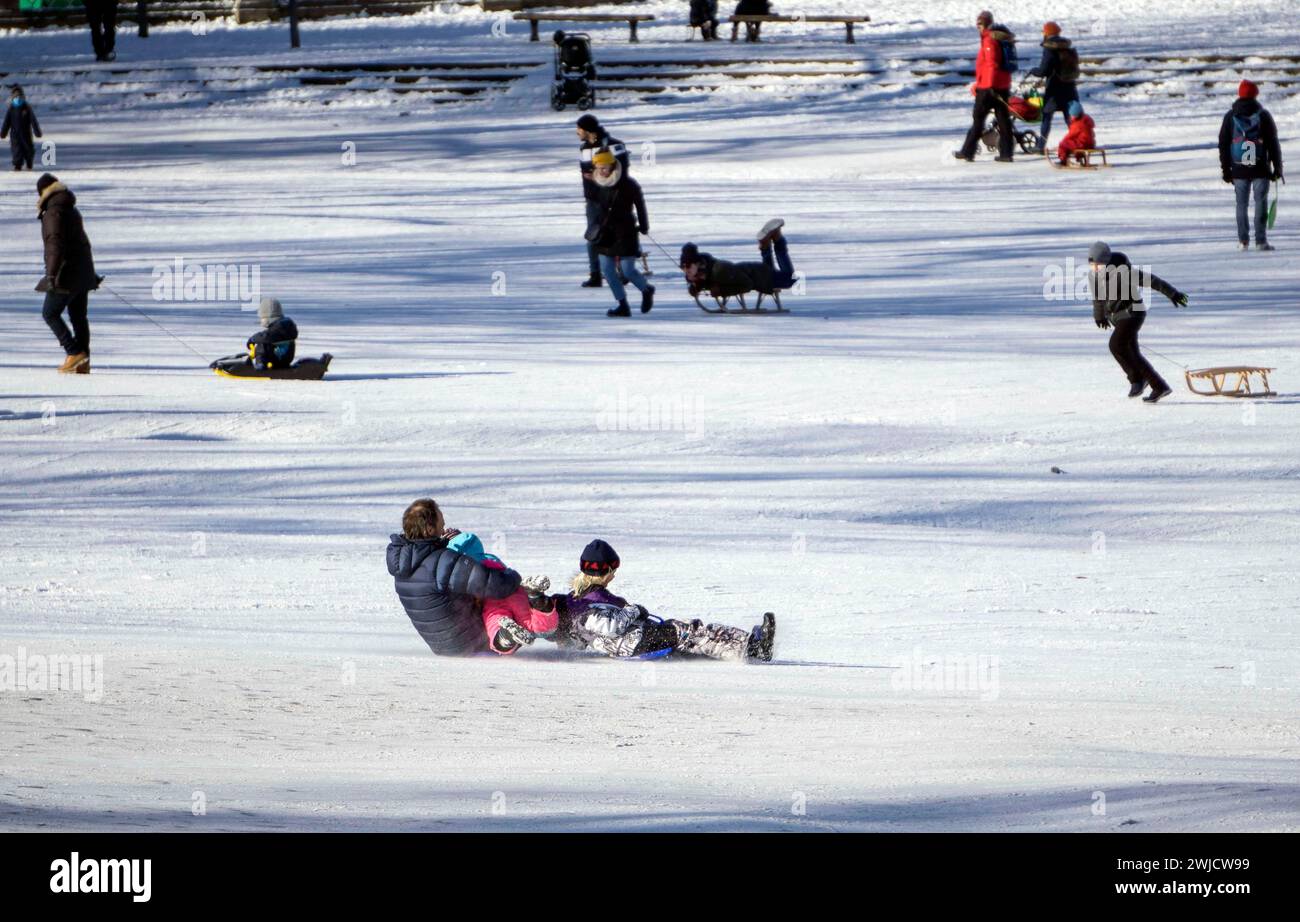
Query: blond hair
x=585, y=582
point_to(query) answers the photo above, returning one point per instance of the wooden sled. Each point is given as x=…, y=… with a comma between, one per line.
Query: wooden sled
x=758, y=307
x=1085, y=159
x=1218, y=378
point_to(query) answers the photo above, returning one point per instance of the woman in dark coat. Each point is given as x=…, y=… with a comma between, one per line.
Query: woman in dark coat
x=615, y=232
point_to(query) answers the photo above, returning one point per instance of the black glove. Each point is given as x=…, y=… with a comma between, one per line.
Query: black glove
x=645, y=228
x=46, y=284
x=1179, y=299
x=1277, y=176
x=1227, y=177
x=538, y=601
x=1103, y=324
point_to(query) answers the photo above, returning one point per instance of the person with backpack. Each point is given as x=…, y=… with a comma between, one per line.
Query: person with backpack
x=1117, y=305
x=19, y=126
x=1059, y=67
x=1250, y=156
x=994, y=65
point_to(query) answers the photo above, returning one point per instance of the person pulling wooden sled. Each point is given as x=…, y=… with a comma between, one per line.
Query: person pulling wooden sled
x=726, y=280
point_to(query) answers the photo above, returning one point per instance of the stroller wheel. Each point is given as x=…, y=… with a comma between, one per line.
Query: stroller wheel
x=1029, y=141
x=991, y=136
x=586, y=102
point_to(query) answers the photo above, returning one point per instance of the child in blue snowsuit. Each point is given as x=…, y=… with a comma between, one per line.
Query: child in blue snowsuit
x=19, y=126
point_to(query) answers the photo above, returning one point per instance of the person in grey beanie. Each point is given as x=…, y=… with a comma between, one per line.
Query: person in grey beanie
x=274, y=345
x=1116, y=286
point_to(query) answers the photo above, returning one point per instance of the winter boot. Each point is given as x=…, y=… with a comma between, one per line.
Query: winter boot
x=1005, y=159
x=716, y=641
x=1243, y=245
x=84, y=368
x=1266, y=247
x=1157, y=393
x=771, y=230
x=511, y=634
x=595, y=281
x=647, y=299
x=969, y=158
x=621, y=311
x=73, y=362
x=762, y=639
x=1136, y=388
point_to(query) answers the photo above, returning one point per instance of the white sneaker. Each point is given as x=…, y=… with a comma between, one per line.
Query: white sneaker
x=770, y=228
x=1243, y=246
x=1266, y=247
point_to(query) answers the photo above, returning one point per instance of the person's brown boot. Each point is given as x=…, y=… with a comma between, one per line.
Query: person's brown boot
x=84, y=368
x=73, y=362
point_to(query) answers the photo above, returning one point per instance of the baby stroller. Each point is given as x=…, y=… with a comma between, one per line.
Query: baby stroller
x=575, y=69
x=1026, y=106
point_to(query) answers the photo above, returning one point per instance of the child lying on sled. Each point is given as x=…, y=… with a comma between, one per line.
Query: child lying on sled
x=724, y=279
x=511, y=622
x=590, y=617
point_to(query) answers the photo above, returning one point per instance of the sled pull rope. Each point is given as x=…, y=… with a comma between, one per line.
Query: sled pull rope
x=661, y=249
x=151, y=320
x=1146, y=348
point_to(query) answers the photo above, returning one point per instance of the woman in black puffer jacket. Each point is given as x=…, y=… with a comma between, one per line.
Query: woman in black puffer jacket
x=441, y=590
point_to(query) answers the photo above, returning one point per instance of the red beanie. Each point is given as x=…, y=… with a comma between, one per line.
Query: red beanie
x=1247, y=90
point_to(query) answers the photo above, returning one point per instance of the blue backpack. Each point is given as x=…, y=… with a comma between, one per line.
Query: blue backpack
x=1245, y=140
x=1010, y=57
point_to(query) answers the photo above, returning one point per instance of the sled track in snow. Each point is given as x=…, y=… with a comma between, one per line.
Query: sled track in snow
x=620, y=80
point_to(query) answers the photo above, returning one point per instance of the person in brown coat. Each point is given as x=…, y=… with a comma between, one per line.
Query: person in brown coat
x=69, y=271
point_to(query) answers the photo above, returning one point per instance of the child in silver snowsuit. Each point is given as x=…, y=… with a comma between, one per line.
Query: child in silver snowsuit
x=593, y=618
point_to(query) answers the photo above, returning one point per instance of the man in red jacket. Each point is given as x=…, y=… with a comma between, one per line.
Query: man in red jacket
x=992, y=89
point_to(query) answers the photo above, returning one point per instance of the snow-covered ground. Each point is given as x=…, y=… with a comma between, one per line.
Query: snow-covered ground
x=968, y=640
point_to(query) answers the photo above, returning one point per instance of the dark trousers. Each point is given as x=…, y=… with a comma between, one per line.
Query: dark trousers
x=783, y=271
x=1052, y=105
x=986, y=101
x=76, y=340
x=1124, y=346
x=102, y=16
x=593, y=258
x=22, y=155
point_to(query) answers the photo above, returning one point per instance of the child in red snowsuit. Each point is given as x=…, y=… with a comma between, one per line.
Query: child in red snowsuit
x=1082, y=134
x=503, y=618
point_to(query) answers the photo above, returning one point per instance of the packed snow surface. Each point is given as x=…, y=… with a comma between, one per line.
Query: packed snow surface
x=1009, y=598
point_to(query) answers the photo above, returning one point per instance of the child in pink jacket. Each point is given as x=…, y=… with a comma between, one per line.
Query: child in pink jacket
x=510, y=622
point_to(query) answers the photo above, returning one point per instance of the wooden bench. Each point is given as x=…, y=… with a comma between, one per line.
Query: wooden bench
x=630, y=18
x=752, y=35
